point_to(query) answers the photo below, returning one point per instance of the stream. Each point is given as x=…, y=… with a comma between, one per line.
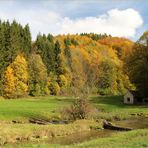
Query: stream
x=81, y=137
x=135, y=123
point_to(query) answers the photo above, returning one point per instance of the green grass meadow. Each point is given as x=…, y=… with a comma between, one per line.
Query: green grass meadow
x=112, y=107
x=49, y=107
x=109, y=107
x=40, y=107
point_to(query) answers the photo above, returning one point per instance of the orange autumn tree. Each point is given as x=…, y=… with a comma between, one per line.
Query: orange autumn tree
x=89, y=63
x=16, y=78
x=122, y=46
x=9, y=83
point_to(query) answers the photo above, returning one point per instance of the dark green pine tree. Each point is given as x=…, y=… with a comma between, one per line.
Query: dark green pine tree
x=15, y=41
x=67, y=41
x=50, y=56
x=58, y=61
x=2, y=44
x=26, y=39
x=57, y=50
x=45, y=47
x=50, y=38
x=67, y=53
x=6, y=50
x=2, y=48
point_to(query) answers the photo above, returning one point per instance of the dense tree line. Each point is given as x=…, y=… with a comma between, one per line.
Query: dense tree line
x=69, y=64
x=95, y=36
x=137, y=65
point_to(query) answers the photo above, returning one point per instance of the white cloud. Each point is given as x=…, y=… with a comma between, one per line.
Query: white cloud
x=122, y=23
x=115, y=22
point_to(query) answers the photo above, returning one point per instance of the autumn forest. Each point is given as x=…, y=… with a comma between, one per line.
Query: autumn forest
x=70, y=64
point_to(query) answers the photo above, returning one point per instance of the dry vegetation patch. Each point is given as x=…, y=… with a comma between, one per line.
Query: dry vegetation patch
x=14, y=133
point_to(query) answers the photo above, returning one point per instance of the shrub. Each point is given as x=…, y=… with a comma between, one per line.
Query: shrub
x=80, y=109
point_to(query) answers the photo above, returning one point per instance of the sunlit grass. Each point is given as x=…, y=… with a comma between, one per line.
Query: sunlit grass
x=132, y=139
x=23, y=109
x=110, y=107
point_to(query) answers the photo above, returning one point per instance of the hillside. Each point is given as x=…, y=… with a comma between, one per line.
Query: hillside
x=63, y=64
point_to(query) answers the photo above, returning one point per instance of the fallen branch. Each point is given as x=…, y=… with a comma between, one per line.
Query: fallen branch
x=45, y=122
x=108, y=125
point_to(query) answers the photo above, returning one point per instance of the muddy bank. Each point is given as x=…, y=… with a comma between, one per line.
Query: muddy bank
x=17, y=133
x=79, y=131
x=134, y=122
x=45, y=122
x=118, y=126
x=109, y=125
x=81, y=137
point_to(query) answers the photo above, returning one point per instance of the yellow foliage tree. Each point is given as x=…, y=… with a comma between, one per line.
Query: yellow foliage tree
x=62, y=81
x=9, y=83
x=20, y=68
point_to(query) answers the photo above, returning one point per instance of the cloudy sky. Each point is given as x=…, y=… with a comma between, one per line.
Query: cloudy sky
x=123, y=18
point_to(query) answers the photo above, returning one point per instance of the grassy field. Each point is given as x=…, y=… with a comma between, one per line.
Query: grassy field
x=111, y=108
x=23, y=109
x=49, y=107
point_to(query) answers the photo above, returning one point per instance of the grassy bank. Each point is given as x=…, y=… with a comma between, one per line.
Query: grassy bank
x=14, y=133
x=132, y=139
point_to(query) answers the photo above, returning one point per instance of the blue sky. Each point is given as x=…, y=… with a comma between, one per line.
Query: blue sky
x=123, y=18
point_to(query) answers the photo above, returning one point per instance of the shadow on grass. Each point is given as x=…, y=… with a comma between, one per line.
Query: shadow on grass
x=113, y=101
x=108, y=100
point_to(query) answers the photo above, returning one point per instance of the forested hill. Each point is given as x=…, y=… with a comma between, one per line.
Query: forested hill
x=64, y=64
